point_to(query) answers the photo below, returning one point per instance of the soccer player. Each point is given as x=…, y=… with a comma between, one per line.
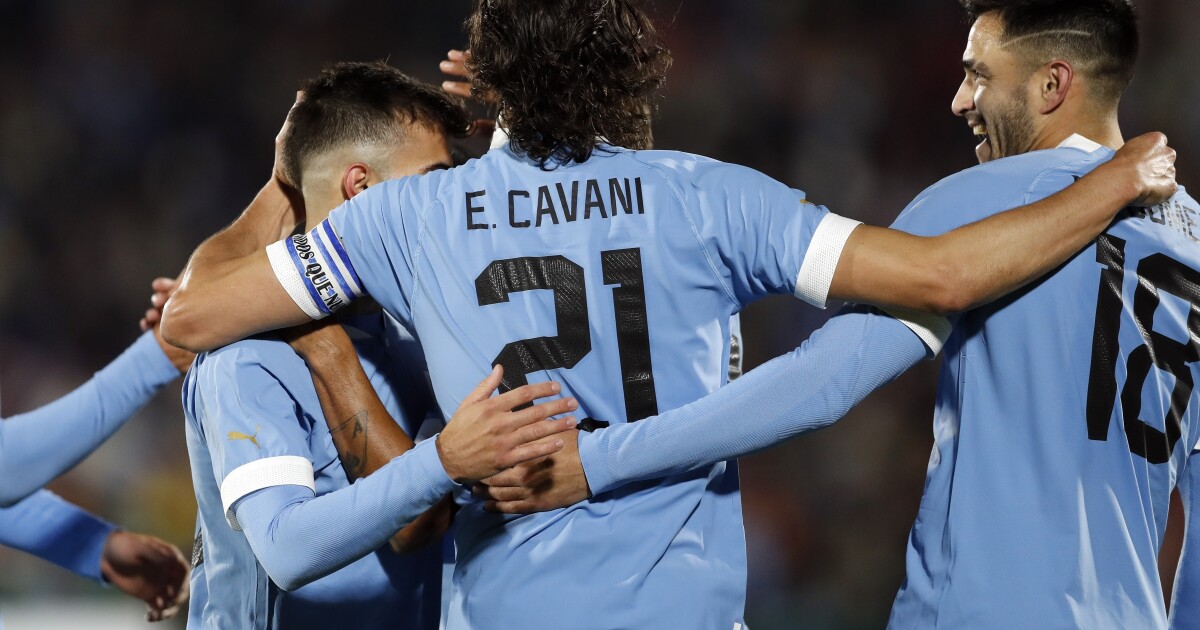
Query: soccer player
x=286, y=540
x=570, y=256
x=39, y=445
x=1065, y=412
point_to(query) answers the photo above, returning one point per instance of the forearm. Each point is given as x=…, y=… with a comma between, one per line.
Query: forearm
x=805, y=390
x=980, y=262
x=1185, y=600
x=299, y=538
x=37, y=446
x=211, y=307
x=56, y=531
x=364, y=433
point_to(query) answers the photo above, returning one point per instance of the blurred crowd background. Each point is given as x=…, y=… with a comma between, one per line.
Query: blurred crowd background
x=132, y=129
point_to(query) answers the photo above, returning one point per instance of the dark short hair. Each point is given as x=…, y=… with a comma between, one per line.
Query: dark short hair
x=362, y=102
x=1099, y=37
x=568, y=73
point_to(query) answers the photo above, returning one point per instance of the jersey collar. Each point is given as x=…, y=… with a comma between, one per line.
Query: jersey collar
x=1077, y=141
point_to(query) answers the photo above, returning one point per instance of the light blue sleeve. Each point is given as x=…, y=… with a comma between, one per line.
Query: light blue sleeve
x=299, y=538
x=1185, y=600
x=762, y=236
x=377, y=231
x=255, y=430
x=56, y=531
x=37, y=446
x=810, y=388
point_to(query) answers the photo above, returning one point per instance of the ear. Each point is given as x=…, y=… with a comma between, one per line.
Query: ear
x=1054, y=83
x=355, y=179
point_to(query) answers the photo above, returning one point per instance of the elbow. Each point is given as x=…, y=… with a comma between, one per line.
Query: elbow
x=181, y=325
x=289, y=576
x=949, y=290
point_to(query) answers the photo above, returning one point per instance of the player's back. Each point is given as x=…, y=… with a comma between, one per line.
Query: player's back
x=617, y=278
x=1063, y=416
x=225, y=389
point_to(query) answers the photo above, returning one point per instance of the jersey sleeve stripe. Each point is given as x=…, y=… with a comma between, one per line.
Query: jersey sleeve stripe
x=284, y=470
x=289, y=276
x=933, y=330
x=342, y=260
x=335, y=270
x=308, y=285
x=821, y=259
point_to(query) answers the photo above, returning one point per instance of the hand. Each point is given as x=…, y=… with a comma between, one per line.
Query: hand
x=455, y=65
x=149, y=569
x=1151, y=164
x=538, y=486
x=164, y=288
x=486, y=435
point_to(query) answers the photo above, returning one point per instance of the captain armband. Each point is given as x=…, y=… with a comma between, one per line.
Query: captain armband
x=315, y=271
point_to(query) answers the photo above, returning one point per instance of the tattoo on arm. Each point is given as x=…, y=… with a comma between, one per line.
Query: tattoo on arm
x=353, y=448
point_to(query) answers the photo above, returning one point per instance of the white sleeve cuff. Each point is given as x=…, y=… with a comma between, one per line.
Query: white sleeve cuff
x=285, y=470
x=934, y=330
x=821, y=260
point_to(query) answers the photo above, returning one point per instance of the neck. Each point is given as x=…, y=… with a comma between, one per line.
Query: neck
x=1106, y=131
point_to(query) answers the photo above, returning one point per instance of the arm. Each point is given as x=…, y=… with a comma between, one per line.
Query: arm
x=37, y=446
x=56, y=531
x=1185, y=601
x=849, y=357
x=299, y=537
x=228, y=290
x=364, y=433
x=980, y=262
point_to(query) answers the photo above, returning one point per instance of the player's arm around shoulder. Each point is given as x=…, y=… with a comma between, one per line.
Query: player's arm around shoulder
x=981, y=261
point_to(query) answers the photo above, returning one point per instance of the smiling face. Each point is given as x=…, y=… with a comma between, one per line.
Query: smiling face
x=994, y=95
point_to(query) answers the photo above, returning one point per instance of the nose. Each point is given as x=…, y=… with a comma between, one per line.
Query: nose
x=964, y=99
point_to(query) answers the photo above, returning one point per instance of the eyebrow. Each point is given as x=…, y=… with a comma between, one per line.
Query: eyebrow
x=976, y=66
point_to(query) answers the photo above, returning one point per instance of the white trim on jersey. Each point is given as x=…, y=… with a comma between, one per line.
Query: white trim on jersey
x=821, y=260
x=1076, y=141
x=934, y=330
x=284, y=470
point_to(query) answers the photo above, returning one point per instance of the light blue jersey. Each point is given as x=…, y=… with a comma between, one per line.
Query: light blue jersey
x=254, y=423
x=617, y=278
x=1065, y=413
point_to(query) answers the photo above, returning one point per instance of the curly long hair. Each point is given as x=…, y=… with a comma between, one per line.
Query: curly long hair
x=568, y=73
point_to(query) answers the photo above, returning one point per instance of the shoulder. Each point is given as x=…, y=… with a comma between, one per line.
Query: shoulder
x=981, y=191
x=703, y=173
x=265, y=354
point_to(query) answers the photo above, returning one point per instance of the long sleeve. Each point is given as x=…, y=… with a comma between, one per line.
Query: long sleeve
x=37, y=446
x=1185, y=601
x=807, y=389
x=48, y=527
x=299, y=538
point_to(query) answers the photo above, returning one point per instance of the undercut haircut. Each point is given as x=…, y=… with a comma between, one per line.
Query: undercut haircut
x=1098, y=37
x=363, y=104
x=568, y=73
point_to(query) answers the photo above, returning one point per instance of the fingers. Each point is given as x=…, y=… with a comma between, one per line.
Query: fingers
x=512, y=507
x=163, y=285
x=541, y=448
x=484, y=390
x=540, y=412
x=507, y=494
x=525, y=394
x=457, y=88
